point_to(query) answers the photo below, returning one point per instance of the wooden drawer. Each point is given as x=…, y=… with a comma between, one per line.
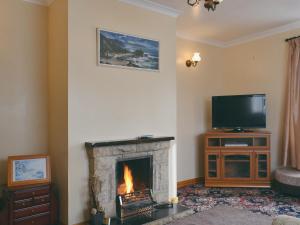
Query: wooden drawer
x=24, y=194
x=31, y=211
x=41, y=200
x=23, y=203
x=43, y=219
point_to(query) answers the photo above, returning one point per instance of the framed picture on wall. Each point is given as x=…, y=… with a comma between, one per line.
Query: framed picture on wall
x=127, y=51
x=28, y=170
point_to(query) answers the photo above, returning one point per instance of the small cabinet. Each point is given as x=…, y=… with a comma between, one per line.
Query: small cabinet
x=36, y=204
x=237, y=159
x=212, y=165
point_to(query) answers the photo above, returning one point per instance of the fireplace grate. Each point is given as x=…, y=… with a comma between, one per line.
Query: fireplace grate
x=135, y=203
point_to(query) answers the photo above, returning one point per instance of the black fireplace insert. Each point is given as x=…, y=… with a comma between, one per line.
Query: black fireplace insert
x=134, y=179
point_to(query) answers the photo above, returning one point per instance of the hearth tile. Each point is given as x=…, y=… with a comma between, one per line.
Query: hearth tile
x=158, y=217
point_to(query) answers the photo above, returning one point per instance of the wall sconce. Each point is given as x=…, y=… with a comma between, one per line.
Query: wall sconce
x=195, y=59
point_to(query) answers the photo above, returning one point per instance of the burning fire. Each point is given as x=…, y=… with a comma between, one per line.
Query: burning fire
x=126, y=187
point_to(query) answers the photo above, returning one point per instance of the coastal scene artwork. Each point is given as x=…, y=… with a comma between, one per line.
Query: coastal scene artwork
x=29, y=169
x=116, y=49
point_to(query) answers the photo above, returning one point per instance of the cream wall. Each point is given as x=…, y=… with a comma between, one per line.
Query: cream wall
x=102, y=103
x=110, y=103
x=261, y=67
x=23, y=85
x=195, y=86
x=58, y=100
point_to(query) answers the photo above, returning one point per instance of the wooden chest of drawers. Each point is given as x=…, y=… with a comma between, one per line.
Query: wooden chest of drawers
x=31, y=205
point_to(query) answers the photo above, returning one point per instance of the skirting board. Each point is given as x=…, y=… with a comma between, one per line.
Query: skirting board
x=185, y=183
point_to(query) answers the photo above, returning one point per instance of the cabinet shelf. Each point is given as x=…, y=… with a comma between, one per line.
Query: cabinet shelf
x=238, y=141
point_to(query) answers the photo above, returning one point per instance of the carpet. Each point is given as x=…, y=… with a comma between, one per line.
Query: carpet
x=257, y=200
x=224, y=215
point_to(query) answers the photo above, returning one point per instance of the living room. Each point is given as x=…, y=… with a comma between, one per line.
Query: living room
x=56, y=95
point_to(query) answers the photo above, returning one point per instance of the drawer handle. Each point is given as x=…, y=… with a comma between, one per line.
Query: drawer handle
x=32, y=211
x=23, y=204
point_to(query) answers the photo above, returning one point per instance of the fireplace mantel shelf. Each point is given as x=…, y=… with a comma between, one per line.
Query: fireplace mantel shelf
x=127, y=142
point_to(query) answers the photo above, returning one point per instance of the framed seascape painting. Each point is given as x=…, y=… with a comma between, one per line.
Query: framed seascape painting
x=127, y=51
x=28, y=170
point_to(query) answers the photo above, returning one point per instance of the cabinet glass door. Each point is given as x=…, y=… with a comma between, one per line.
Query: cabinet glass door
x=236, y=165
x=262, y=162
x=212, y=167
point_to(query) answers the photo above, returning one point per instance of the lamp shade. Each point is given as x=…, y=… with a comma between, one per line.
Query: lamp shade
x=196, y=57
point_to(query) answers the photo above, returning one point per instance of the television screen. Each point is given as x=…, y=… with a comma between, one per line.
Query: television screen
x=239, y=111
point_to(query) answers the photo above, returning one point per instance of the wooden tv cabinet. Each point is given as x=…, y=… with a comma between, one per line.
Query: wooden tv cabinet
x=237, y=159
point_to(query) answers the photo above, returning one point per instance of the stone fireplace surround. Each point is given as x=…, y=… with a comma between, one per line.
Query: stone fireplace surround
x=103, y=157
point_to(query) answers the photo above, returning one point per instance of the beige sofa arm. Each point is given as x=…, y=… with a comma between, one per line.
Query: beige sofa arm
x=286, y=220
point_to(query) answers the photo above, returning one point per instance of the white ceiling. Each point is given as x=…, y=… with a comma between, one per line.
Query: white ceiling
x=235, y=21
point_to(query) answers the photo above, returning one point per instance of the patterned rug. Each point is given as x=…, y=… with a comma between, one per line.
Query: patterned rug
x=224, y=215
x=257, y=200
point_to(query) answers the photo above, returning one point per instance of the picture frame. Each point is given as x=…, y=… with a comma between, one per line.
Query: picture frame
x=115, y=49
x=28, y=170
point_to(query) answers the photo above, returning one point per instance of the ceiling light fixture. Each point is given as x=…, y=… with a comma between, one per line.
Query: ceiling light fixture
x=209, y=4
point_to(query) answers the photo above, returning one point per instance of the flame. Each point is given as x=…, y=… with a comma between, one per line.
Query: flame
x=126, y=187
x=128, y=180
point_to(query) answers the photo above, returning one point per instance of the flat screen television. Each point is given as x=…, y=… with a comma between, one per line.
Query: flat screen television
x=239, y=112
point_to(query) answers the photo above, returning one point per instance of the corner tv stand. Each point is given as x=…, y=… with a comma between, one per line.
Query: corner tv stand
x=237, y=159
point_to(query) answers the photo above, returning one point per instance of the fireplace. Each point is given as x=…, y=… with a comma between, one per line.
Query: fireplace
x=144, y=163
x=131, y=180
